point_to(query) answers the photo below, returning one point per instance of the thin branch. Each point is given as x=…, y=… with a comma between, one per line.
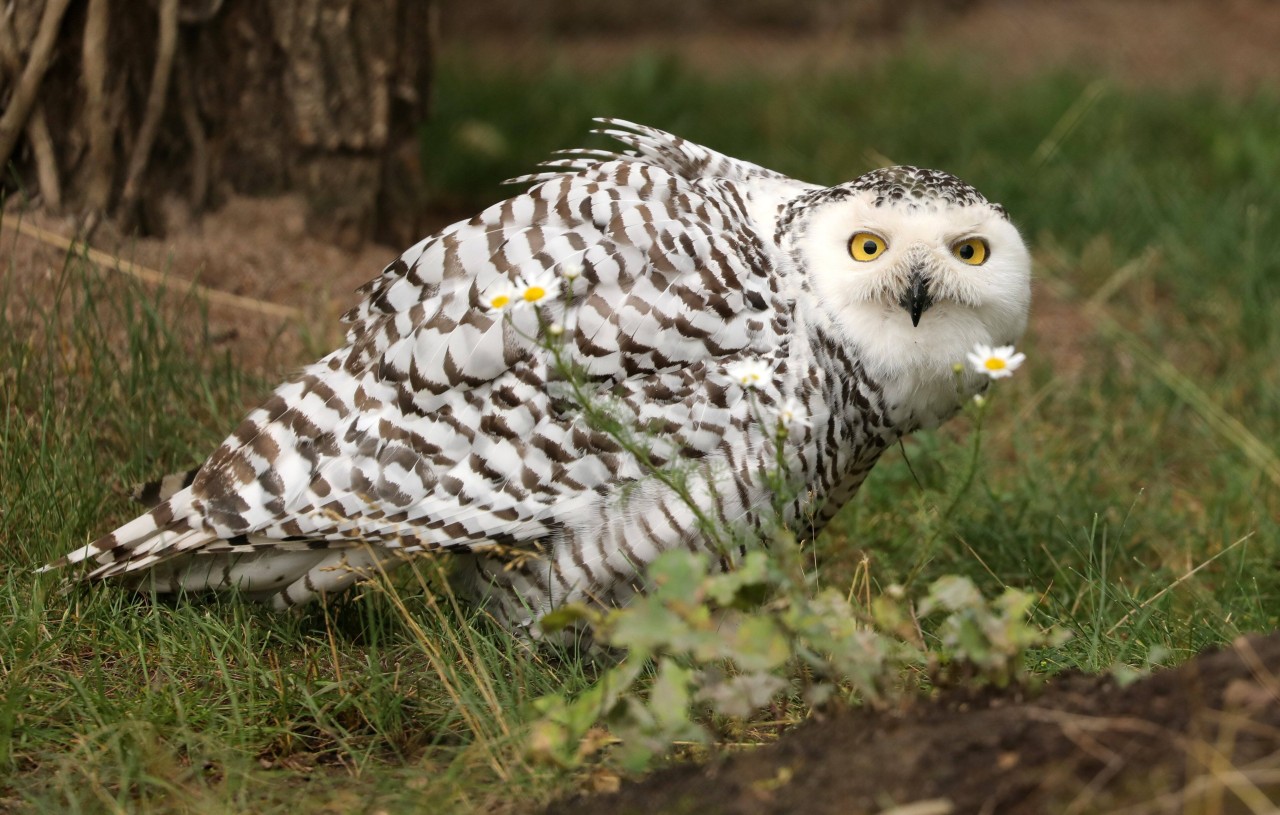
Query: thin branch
x=94, y=62
x=195, y=133
x=46, y=159
x=9, y=53
x=24, y=92
x=155, y=104
x=200, y=16
x=37, y=125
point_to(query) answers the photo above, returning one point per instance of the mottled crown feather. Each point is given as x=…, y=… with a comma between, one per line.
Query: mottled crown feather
x=916, y=186
x=902, y=185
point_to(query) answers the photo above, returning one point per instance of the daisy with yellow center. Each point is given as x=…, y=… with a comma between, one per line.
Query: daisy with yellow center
x=540, y=289
x=792, y=414
x=995, y=362
x=500, y=297
x=536, y=290
x=749, y=373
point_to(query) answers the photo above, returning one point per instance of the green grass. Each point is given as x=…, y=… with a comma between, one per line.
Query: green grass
x=1108, y=474
x=111, y=701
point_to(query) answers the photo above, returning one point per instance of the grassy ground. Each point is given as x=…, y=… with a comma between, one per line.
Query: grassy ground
x=1130, y=473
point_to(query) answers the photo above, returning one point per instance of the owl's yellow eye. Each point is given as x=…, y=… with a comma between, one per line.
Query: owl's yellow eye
x=972, y=251
x=865, y=246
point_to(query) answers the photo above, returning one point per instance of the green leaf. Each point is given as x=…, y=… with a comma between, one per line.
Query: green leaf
x=760, y=645
x=648, y=627
x=742, y=695
x=951, y=593
x=568, y=615
x=746, y=586
x=678, y=574
x=669, y=696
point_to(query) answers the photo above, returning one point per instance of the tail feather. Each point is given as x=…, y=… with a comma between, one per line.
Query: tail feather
x=150, y=536
x=281, y=578
x=163, y=545
x=113, y=547
x=160, y=551
x=153, y=493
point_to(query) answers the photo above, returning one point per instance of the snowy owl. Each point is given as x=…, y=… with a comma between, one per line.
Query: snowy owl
x=699, y=297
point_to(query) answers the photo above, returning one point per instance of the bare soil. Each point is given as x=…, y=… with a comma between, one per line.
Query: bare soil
x=1227, y=44
x=1204, y=737
x=255, y=248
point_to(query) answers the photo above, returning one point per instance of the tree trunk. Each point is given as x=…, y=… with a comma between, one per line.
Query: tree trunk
x=190, y=100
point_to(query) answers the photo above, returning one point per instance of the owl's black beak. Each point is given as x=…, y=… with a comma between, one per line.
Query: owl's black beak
x=916, y=299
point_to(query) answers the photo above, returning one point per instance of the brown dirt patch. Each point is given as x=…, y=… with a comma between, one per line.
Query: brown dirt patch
x=1204, y=737
x=1229, y=44
x=255, y=248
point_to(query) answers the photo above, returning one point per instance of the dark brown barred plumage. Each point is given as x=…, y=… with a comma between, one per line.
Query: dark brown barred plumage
x=443, y=425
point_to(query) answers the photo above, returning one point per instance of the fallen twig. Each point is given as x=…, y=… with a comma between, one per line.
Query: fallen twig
x=152, y=277
x=1173, y=585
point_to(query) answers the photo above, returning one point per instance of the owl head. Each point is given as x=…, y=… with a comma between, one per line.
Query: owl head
x=912, y=268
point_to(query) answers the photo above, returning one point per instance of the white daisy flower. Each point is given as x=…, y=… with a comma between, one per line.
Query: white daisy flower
x=791, y=414
x=555, y=329
x=499, y=297
x=996, y=363
x=749, y=373
x=540, y=289
x=571, y=271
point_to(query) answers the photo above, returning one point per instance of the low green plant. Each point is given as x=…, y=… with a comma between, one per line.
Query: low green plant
x=703, y=644
x=700, y=645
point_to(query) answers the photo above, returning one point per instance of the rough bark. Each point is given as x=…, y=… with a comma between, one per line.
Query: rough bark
x=149, y=106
